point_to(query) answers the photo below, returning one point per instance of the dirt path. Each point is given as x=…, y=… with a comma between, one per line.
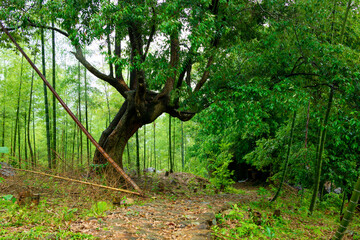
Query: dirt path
x=186, y=218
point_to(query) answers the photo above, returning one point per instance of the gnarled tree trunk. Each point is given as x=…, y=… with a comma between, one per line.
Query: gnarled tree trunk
x=127, y=121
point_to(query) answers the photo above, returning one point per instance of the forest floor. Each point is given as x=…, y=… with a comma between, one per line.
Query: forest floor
x=179, y=206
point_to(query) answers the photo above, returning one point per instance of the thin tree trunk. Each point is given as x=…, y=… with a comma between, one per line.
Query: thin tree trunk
x=144, y=147
x=154, y=146
x=80, y=133
x=128, y=154
x=4, y=112
x=73, y=147
x=3, y=126
x=342, y=203
x=17, y=113
x=34, y=139
x=321, y=150
x=182, y=147
x=137, y=154
x=107, y=104
x=47, y=120
x=25, y=140
x=349, y=212
x=29, y=117
x=174, y=143
x=66, y=139
x=53, y=165
x=170, y=153
x=286, y=163
x=19, y=147
x=345, y=20
x=12, y=138
x=87, y=120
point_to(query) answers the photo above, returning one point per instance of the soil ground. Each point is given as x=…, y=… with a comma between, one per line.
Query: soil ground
x=177, y=206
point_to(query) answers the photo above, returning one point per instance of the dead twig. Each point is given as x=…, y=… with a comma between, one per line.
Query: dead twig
x=78, y=181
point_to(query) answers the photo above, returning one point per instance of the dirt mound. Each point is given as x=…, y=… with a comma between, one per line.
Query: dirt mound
x=171, y=182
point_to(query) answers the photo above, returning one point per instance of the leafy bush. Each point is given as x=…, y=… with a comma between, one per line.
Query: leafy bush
x=219, y=168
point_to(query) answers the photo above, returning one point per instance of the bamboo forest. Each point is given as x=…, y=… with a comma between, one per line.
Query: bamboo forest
x=179, y=119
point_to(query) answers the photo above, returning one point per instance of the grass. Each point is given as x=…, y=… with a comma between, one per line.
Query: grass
x=256, y=220
x=60, y=204
x=37, y=222
x=64, y=203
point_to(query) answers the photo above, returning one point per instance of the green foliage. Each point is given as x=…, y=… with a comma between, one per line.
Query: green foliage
x=331, y=202
x=219, y=168
x=68, y=213
x=9, y=197
x=99, y=208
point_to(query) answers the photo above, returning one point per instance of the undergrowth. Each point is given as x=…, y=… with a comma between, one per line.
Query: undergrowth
x=287, y=218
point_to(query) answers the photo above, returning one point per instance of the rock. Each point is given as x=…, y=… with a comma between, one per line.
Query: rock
x=51, y=236
x=213, y=222
x=209, y=215
x=338, y=190
x=203, y=226
x=5, y=171
x=127, y=201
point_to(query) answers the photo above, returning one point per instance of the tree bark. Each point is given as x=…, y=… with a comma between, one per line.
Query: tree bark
x=127, y=121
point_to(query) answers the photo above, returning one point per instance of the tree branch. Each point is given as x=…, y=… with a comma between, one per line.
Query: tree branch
x=31, y=24
x=174, y=63
x=205, y=75
x=117, y=83
x=183, y=116
x=186, y=69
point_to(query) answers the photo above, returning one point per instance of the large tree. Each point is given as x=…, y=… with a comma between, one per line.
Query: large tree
x=173, y=50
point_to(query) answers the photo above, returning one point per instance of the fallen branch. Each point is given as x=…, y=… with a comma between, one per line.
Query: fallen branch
x=74, y=180
x=96, y=144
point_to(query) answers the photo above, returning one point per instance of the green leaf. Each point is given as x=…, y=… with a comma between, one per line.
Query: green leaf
x=9, y=197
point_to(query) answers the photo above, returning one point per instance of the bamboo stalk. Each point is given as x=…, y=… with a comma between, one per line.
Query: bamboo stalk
x=74, y=180
x=101, y=150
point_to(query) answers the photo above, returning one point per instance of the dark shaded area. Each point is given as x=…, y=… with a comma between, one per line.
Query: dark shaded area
x=248, y=173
